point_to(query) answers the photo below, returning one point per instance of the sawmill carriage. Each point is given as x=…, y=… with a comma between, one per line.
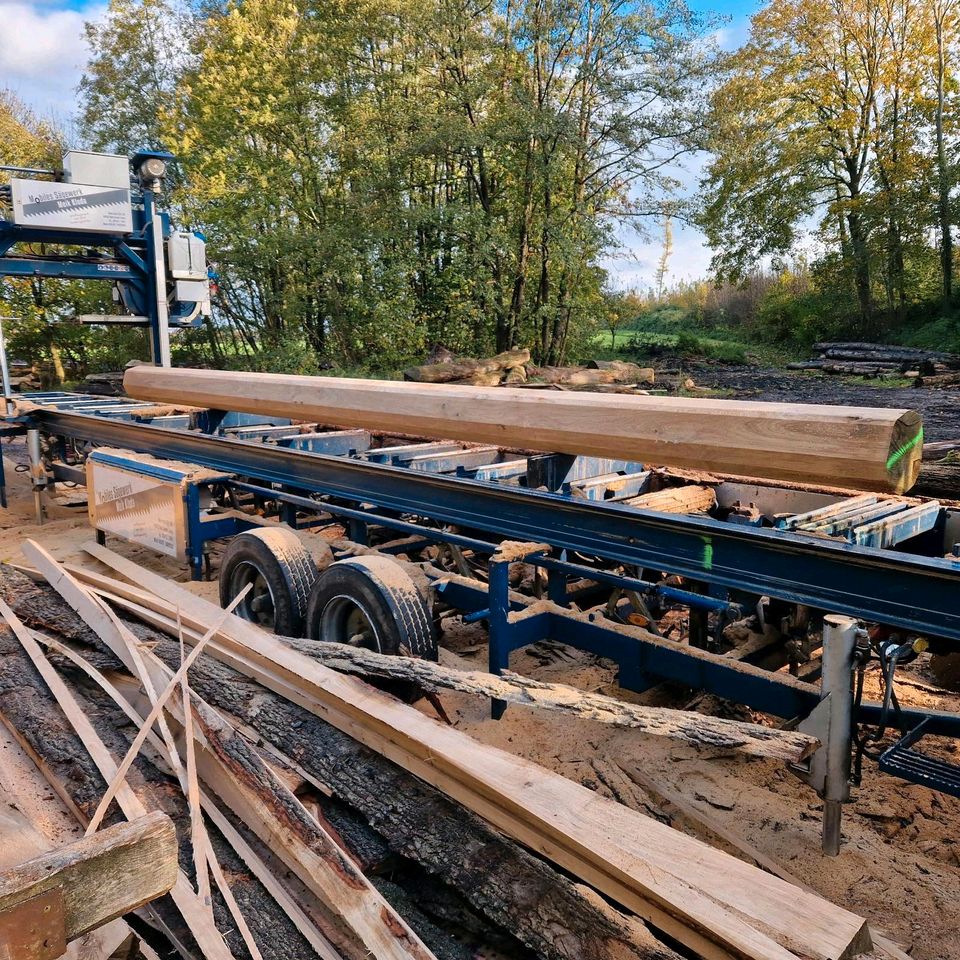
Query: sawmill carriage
x=586, y=549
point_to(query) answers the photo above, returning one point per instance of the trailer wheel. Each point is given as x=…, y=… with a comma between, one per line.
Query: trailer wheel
x=282, y=572
x=371, y=602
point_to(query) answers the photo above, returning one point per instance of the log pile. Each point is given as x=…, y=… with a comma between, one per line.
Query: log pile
x=271, y=764
x=514, y=369
x=880, y=360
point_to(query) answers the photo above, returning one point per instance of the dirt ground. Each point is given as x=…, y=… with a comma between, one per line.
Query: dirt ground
x=940, y=408
x=900, y=862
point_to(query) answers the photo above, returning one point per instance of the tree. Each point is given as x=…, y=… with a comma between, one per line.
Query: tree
x=791, y=133
x=944, y=18
x=376, y=178
x=138, y=52
x=665, y=253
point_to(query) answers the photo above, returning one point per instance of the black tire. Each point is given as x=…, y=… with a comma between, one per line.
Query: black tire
x=282, y=572
x=372, y=602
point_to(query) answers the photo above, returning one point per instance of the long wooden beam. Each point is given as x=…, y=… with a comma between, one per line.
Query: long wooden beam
x=855, y=447
x=713, y=903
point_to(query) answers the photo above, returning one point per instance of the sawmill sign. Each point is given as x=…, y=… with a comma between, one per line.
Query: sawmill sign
x=71, y=206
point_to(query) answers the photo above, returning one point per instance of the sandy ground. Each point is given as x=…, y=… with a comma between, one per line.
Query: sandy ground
x=900, y=862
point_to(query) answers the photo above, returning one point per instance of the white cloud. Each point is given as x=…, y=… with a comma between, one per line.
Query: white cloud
x=42, y=54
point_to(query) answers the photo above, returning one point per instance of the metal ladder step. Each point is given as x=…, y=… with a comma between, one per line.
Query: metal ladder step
x=911, y=765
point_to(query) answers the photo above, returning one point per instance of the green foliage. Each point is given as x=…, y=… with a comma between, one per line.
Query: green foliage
x=378, y=178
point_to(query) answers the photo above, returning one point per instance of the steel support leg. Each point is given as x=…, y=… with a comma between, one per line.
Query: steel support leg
x=38, y=476
x=498, y=634
x=839, y=642
x=831, y=722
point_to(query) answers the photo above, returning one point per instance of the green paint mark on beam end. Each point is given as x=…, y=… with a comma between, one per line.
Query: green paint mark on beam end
x=707, y=553
x=898, y=455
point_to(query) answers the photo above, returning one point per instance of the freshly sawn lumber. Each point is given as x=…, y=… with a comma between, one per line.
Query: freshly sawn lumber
x=856, y=447
x=549, y=913
x=100, y=877
x=244, y=779
x=716, y=905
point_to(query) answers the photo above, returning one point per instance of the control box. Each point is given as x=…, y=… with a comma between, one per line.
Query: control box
x=96, y=169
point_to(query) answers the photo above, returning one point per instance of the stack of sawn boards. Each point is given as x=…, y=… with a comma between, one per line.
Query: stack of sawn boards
x=249, y=688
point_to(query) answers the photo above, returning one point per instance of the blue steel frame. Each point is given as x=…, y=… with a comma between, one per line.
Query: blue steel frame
x=920, y=594
x=916, y=593
x=133, y=263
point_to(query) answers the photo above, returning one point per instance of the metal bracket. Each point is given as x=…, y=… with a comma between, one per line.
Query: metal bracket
x=34, y=929
x=831, y=722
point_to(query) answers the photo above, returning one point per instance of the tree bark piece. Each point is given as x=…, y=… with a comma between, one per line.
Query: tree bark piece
x=708, y=900
x=692, y=498
x=101, y=877
x=860, y=447
x=694, y=728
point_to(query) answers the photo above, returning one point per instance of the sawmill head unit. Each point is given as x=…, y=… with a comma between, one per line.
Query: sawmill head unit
x=536, y=546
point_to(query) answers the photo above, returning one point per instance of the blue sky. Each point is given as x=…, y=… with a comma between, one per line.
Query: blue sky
x=42, y=53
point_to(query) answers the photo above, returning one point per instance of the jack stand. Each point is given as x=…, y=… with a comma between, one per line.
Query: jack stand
x=831, y=722
x=38, y=476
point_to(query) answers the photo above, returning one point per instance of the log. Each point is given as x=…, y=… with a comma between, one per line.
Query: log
x=694, y=728
x=860, y=447
x=99, y=878
x=551, y=915
x=938, y=449
x=692, y=498
x=698, y=729
x=940, y=381
x=236, y=772
x=872, y=349
x=626, y=371
x=711, y=902
x=453, y=370
x=443, y=372
x=939, y=480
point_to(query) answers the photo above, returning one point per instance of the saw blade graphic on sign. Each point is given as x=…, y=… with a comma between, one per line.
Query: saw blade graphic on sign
x=106, y=198
x=140, y=503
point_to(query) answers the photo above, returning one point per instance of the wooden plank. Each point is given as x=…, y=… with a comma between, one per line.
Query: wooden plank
x=681, y=885
x=697, y=815
x=203, y=930
x=258, y=868
x=102, y=621
x=31, y=823
x=263, y=802
x=100, y=877
x=159, y=702
x=859, y=447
